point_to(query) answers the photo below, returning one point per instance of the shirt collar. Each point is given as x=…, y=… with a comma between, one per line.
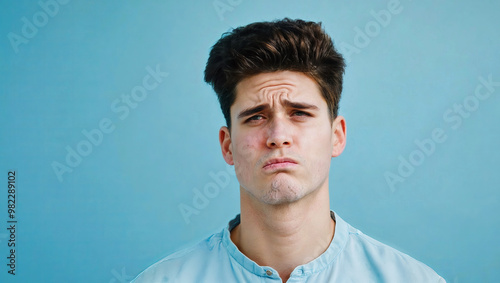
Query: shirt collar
x=314, y=266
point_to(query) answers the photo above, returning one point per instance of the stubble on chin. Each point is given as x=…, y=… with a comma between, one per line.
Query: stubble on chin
x=281, y=191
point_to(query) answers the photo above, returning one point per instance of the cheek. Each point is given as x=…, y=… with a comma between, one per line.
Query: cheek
x=245, y=151
x=244, y=161
x=319, y=140
x=318, y=149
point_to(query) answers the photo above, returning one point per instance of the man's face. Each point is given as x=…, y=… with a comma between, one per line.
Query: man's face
x=282, y=138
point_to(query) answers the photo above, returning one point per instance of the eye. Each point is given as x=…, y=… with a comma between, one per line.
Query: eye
x=255, y=118
x=300, y=113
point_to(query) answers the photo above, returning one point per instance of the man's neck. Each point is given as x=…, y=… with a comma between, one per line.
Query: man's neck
x=285, y=236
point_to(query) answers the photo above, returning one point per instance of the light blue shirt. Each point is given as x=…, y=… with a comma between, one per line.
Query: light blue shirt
x=351, y=257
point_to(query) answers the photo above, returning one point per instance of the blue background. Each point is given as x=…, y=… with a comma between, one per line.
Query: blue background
x=117, y=212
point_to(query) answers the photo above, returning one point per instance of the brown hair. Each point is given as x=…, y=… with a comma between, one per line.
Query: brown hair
x=292, y=45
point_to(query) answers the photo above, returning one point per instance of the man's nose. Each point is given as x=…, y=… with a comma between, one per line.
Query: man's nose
x=279, y=133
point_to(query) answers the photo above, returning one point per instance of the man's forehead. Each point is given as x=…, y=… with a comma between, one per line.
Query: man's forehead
x=279, y=78
x=280, y=85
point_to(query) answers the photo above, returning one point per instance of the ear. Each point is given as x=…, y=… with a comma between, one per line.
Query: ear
x=226, y=145
x=338, y=136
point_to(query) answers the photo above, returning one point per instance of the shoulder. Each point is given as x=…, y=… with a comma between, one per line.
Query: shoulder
x=186, y=262
x=385, y=261
x=368, y=260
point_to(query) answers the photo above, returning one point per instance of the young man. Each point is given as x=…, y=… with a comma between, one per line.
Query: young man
x=279, y=85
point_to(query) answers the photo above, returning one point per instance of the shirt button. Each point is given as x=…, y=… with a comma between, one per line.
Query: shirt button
x=269, y=272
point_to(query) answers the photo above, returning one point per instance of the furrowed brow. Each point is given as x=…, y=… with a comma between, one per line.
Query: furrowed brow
x=300, y=105
x=252, y=110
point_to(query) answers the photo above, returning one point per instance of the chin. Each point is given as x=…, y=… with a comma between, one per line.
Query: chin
x=280, y=200
x=282, y=194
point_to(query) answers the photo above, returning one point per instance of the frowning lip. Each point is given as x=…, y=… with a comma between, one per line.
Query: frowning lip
x=279, y=163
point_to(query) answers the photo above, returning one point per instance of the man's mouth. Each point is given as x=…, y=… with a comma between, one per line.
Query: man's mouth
x=279, y=163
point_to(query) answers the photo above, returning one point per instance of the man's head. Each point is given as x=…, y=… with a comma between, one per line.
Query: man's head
x=279, y=85
x=263, y=47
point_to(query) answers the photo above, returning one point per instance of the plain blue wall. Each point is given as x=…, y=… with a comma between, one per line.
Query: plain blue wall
x=117, y=212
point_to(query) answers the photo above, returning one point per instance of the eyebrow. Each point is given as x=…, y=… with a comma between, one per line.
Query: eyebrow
x=253, y=110
x=300, y=105
x=290, y=104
